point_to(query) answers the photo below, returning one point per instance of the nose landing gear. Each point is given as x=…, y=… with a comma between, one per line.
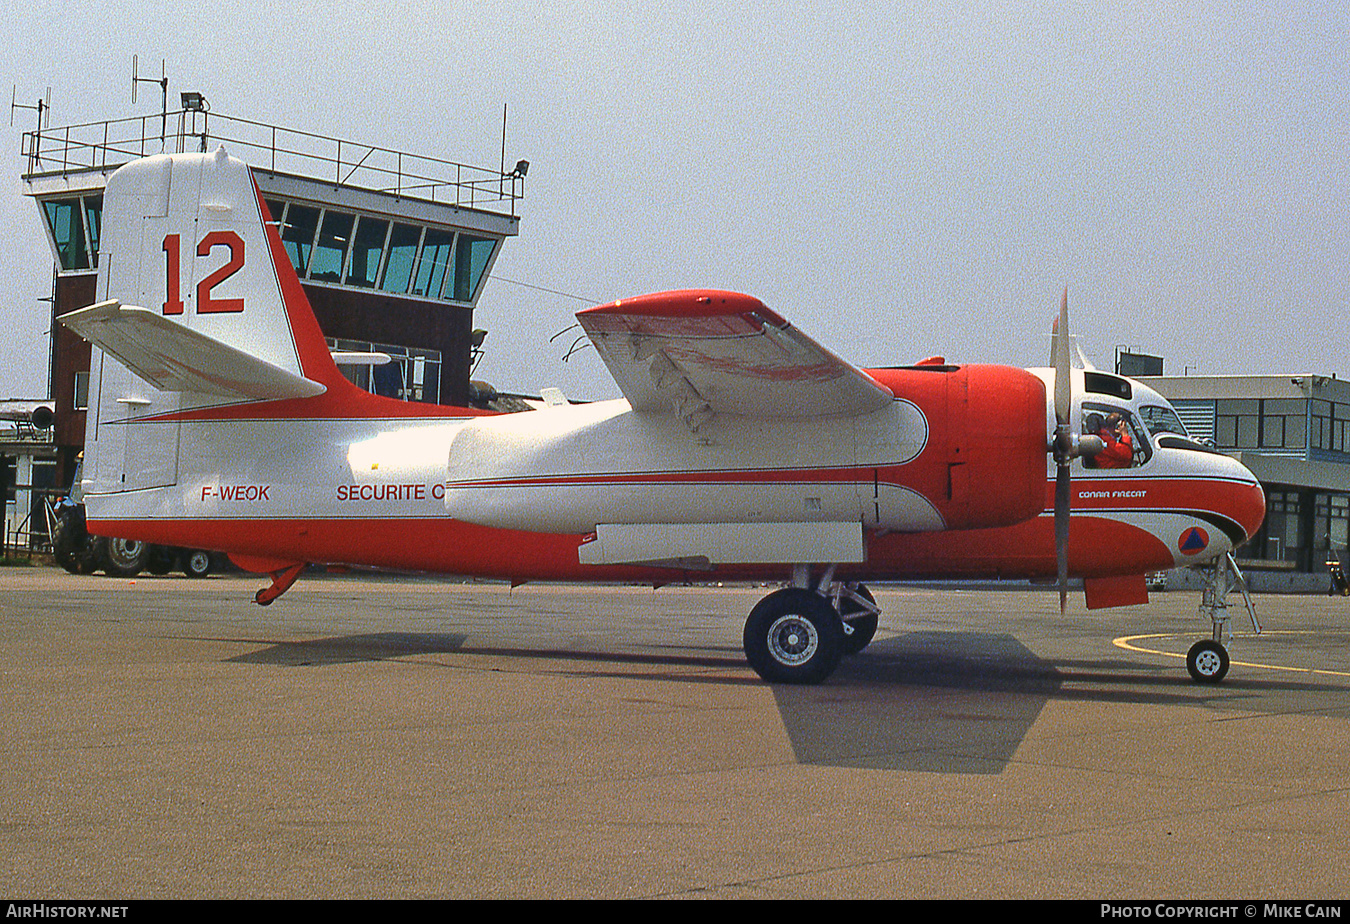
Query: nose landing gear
x=1207, y=661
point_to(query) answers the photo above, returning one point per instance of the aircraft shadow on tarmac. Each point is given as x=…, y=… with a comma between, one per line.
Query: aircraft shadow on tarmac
x=941, y=702
x=352, y=649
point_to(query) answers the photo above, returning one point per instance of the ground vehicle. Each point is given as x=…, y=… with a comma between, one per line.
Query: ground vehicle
x=80, y=553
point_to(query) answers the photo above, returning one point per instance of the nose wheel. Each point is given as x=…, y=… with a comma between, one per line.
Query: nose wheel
x=1207, y=661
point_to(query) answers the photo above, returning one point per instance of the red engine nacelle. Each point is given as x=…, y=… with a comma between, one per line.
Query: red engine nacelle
x=984, y=464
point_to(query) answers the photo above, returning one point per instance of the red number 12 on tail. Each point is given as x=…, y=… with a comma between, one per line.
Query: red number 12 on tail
x=173, y=303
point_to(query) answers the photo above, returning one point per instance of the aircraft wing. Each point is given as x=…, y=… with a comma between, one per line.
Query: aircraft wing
x=172, y=357
x=703, y=353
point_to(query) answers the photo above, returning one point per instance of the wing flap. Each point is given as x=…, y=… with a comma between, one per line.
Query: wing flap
x=172, y=357
x=702, y=353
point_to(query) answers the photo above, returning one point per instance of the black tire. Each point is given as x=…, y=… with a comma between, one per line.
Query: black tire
x=71, y=544
x=196, y=563
x=1207, y=661
x=793, y=636
x=162, y=560
x=124, y=557
x=864, y=626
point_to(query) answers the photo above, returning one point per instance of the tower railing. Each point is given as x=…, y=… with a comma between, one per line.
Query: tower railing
x=107, y=145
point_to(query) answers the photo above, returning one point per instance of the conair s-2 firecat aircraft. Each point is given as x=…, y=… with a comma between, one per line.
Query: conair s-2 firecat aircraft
x=742, y=449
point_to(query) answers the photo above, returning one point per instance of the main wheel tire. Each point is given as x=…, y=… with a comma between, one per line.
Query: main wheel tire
x=1207, y=661
x=793, y=636
x=124, y=557
x=196, y=563
x=864, y=625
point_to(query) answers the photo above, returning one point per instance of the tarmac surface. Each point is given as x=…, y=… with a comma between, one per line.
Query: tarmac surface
x=376, y=736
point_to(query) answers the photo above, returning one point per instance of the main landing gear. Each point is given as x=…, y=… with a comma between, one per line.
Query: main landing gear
x=1207, y=661
x=799, y=634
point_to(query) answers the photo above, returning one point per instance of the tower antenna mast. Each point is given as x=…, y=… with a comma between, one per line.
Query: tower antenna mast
x=43, y=108
x=163, y=82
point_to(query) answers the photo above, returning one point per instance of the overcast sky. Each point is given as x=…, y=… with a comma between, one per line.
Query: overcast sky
x=898, y=180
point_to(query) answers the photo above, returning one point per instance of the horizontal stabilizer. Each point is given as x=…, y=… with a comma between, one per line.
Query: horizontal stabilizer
x=172, y=357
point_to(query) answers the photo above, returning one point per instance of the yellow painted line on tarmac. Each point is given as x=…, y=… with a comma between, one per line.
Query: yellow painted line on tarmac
x=1127, y=642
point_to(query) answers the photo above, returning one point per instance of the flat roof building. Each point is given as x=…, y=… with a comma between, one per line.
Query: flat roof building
x=1293, y=432
x=27, y=472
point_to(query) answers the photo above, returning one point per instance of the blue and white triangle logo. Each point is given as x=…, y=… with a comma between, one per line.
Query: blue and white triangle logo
x=1193, y=541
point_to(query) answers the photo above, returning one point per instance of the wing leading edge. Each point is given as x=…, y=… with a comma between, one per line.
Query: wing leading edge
x=702, y=353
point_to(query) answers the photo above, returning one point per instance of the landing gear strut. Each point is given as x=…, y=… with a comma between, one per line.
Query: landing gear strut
x=1207, y=661
x=798, y=634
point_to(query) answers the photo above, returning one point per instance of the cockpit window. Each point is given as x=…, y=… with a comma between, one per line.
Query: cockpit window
x=1127, y=446
x=1161, y=420
x=1103, y=383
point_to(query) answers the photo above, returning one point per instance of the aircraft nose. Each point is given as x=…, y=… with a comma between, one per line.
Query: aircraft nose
x=1248, y=503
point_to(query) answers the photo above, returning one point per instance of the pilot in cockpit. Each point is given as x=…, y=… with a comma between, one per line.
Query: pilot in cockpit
x=1119, y=451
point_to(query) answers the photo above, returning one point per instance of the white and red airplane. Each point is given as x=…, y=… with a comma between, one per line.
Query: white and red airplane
x=741, y=449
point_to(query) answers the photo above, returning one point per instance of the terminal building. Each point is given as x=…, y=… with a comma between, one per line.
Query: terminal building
x=392, y=248
x=1293, y=432
x=27, y=473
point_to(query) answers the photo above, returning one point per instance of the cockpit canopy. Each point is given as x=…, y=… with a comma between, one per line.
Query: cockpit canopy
x=1130, y=418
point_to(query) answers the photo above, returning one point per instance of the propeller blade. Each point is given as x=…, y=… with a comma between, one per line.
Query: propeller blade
x=1063, y=446
x=1062, y=534
x=1063, y=385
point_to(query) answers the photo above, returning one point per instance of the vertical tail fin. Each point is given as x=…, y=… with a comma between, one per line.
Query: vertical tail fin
x=201, y=307
x=187, y=238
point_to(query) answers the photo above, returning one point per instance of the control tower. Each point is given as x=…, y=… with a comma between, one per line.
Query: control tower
x=392, y=248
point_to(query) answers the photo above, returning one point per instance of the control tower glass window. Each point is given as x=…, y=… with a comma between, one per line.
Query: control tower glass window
x=93, y=220
x=435, y=259
x=66, y=223
x=330, y=251
x=471, y=258
x=366, y=251
x=398, y=268
x=297, y=233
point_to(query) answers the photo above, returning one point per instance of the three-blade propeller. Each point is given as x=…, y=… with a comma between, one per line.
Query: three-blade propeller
x=1066, y=445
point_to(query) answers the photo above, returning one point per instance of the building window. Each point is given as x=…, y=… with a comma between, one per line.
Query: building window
x=297, y=233
x=65, y=222
x=93, y=222
x=330, y=250
x=1261, y=423
x=434, y=262
x=398, y=266
x=412, y=373
x=373, y=253
x=80, y=401
x=1331, y=514
x=1283, y=526
x=1330, y=426
x=471, y=259
x=367, y=249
